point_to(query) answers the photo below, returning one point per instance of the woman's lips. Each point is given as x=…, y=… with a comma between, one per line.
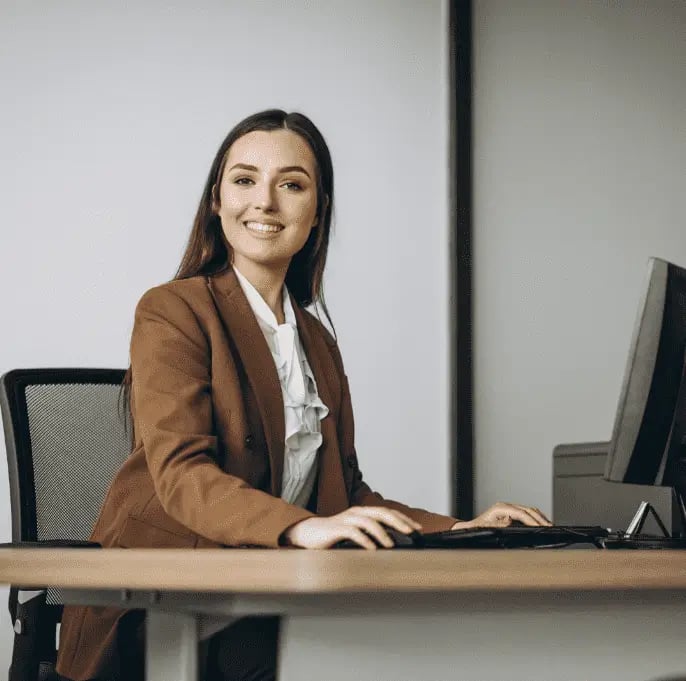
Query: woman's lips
x=260, y=232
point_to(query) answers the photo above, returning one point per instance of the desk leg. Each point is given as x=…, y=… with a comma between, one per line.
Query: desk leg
x=171, y=646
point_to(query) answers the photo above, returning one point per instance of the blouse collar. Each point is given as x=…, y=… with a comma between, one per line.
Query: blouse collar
x=261, y=309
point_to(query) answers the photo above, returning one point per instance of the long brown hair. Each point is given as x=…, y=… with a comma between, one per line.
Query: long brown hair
x=208, y=252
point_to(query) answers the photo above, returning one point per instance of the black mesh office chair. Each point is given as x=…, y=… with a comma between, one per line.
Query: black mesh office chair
x=67, y=434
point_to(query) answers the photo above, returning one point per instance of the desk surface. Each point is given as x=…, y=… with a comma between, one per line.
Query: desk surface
x=265, y=571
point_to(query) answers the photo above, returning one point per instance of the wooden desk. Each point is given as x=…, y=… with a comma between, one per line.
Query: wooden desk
x=553, y=615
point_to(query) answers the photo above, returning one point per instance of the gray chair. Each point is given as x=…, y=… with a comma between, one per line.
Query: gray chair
x=67, y=433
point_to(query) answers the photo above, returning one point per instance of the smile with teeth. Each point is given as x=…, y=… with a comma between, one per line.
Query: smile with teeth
x=259, y=227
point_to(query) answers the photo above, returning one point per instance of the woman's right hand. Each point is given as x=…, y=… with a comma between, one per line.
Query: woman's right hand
x=356, y=523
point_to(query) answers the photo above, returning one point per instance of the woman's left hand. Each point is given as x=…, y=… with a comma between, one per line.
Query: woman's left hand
x=503, y=515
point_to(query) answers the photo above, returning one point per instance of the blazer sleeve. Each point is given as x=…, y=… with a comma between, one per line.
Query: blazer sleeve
x=172, y=400
x=361, y=494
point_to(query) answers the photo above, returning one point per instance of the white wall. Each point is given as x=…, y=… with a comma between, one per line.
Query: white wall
x=579, y=148
x=109, y=122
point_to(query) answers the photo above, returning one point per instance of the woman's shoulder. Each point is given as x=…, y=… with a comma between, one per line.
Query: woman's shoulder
x=189, y=293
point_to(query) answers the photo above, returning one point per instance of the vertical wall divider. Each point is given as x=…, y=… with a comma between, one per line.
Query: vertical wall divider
x=460, y=245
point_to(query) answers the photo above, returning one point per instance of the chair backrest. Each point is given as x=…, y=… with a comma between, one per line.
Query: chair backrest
x=67, y=433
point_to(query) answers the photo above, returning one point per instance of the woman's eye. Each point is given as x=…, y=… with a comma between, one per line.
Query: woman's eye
x=238, y=181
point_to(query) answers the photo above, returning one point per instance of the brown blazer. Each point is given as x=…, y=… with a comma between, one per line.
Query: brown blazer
x=207, y=460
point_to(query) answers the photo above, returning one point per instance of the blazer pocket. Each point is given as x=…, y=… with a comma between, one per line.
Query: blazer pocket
x=139, y=534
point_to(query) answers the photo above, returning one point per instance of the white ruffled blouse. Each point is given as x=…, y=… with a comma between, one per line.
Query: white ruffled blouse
x=303, y=410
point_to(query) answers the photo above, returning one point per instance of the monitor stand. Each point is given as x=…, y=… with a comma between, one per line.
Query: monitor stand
x=636, y=525
x=633, y=538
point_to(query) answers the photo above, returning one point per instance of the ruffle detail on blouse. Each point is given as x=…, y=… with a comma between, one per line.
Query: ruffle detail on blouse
x=303, y=410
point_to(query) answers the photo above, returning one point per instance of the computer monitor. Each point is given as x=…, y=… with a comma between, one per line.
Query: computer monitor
x=649, y=436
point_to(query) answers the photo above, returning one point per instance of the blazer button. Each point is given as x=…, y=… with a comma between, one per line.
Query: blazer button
x=249, y=441
x=351, y=460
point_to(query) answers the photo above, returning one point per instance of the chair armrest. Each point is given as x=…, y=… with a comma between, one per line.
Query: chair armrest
x=52, y=544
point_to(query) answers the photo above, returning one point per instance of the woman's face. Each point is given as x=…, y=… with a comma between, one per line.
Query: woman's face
x=268, y=180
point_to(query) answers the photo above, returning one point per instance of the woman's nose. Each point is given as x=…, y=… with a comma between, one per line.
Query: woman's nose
x=264, y=195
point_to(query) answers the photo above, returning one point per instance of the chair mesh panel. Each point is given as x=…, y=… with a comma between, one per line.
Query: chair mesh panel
x=78, y=443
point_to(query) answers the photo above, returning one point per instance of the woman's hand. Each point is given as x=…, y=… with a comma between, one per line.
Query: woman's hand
x=353, y=523
x=503, y=515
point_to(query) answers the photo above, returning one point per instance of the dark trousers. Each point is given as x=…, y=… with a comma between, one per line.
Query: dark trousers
x=247, y=650
x=244, y=651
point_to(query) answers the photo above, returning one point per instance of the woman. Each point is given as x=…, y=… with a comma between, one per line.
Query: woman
x=241, y=410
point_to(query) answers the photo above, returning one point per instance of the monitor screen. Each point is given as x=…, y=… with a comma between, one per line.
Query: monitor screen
x=649, y=428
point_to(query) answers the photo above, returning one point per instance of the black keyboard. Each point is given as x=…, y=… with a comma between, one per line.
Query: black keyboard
x=495, y=538
x=513, y=537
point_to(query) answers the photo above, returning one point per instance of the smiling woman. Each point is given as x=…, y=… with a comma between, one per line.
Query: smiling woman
x=267, y=203
x=243, y=431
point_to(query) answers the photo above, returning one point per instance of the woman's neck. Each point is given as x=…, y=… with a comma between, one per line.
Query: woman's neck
x=268, y=282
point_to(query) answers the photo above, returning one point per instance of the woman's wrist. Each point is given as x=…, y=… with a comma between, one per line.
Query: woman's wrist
x=285, y=538
x=462, y=524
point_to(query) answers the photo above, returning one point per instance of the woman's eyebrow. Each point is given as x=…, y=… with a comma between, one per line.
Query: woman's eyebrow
x=285, y=169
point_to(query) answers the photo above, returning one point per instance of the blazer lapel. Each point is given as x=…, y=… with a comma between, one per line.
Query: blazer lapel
x=243, y=329
x=332, y=496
